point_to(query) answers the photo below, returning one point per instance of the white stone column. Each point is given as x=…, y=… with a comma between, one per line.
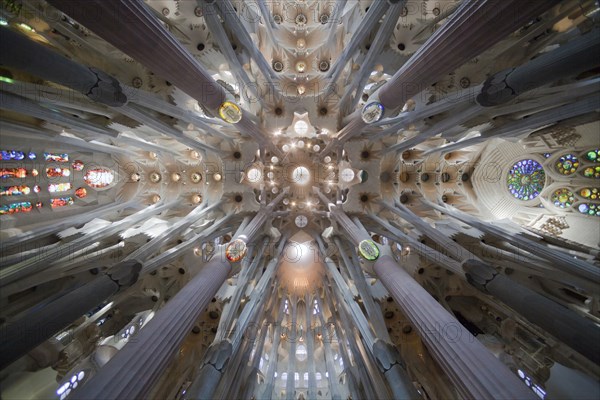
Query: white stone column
x=474, y=370
x=132, y=372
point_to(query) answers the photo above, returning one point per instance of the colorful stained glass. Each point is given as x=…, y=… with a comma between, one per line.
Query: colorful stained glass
x=98, y=178
x=55, y=172
x=547, y=155
x=592, y=172
x=32, y=155
x=589, y=209
x=589, y=193
x=59, y=187
x=236, y=250
x=81, y=193
x=61, y=202
x=62, y=157
x=39, y=204
x=593, y=155
x=77, y=165
x=567, y=164
x=11, y=155
x=14, y=173
x=37, y=188
x=14, y=190
x=526, y=179
x=563, y=198
x=22, y=206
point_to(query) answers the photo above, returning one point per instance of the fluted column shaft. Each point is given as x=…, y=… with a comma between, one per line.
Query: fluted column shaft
x=40, y=259
x=473, y=369
x=561, y=259
x=22, y=105
x=33, y=328
x=473, y=28
x=131, y=27
x=139, y=364
x=575, y=331
x=570, y=59
x=24, y=54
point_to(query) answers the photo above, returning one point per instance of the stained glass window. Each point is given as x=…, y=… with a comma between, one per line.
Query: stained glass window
x=526, y=179
x=56, y=157
x=589, y=209
x=98, y=178
x=567, y=164
x=11, y=155
x=592, y=172
x=14, y=190
x=593, y=155
x=6, y=173
x=81, y=192
x=77, y=165
x=37, y=188
x=61, y=202
x=22, y=206
x=563, y=198
x=59, y=187
x=55, y=172
x=589, y=193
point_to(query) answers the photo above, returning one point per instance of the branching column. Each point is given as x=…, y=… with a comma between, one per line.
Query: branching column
x=575, y=331
x=33, y=328
x=473, y=28
x=26, y=55
x=132, y=372
x=474, y=370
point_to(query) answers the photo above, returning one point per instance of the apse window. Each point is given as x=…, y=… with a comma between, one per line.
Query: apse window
x=98, y=178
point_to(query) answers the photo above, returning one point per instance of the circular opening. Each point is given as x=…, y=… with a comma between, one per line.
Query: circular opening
x=364, y=154
x=181, y=271
x=238, y=198
x=364, y=198
x=324, y=18
x=323, y=111
x=278, y=66
x=403, y=199
x=424, y=177
x=445, y=177
x=213, y=315
x=389, y=314
x=464, y=177
x=200, y=46
x=301, y=175
x=234, y=46
x=278, y=111
x=445, y=198
x=406, y=329
x=237, y=155
x=196, y=330
x=401, y=46
x=420, y=271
